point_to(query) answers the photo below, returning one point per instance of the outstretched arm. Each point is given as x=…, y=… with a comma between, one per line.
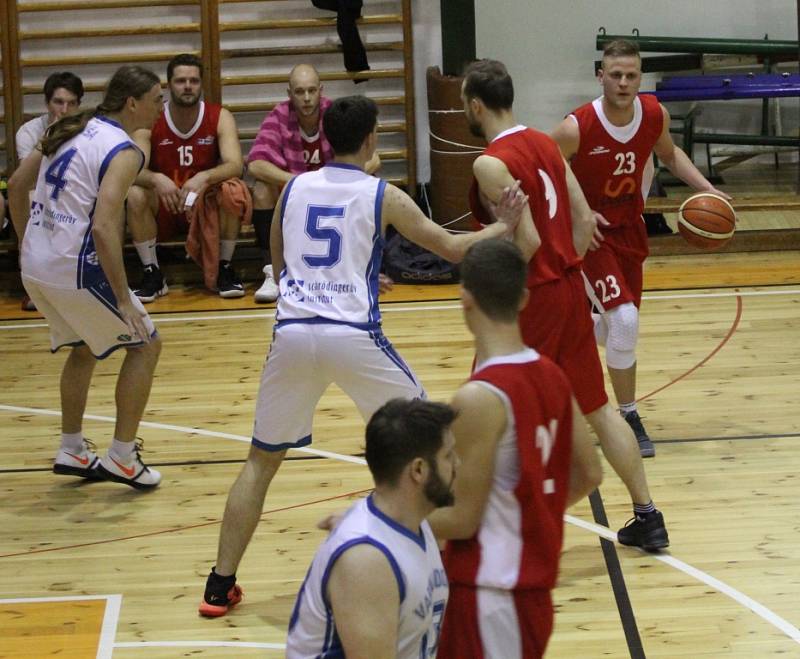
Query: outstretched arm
x=679, y=163
x=400, y=211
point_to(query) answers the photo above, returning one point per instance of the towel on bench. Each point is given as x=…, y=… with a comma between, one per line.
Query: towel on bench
x=202, y=241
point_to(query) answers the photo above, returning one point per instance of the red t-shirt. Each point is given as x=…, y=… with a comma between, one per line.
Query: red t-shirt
x=518, y=543
x=610, y=160
x=180, y=156
x=534, y=158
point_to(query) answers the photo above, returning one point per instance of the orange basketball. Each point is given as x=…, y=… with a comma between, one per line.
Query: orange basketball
x=706, y=221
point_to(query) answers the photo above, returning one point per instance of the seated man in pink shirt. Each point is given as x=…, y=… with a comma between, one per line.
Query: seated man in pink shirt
x=290, y=141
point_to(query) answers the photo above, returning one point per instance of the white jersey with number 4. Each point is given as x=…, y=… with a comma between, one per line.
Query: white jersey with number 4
x=421, y=582
x=332, y=246
x=58, y=247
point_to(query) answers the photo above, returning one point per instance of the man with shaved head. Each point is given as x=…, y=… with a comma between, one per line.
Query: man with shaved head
x=291, y=141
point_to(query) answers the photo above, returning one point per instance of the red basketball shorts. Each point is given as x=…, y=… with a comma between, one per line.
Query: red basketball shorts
x=557, y=322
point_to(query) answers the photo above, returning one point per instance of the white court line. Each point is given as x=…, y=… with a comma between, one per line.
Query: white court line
x=187, y=430
x=201, y=644
x=404, y=308
x=108, y=630
x=759, y=609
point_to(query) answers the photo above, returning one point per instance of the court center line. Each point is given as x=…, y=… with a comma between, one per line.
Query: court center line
x=224, y=316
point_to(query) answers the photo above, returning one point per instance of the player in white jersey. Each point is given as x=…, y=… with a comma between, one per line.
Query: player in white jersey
x=376, y=587
x=327, y=246
x=71, y=262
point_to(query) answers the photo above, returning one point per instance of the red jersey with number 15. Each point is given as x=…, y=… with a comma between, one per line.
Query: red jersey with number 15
x=518, y=543
x=182, y=155
x=534, y=159
x=610, y=160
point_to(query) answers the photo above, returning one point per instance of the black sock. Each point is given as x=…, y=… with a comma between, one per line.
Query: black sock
x=262, y=221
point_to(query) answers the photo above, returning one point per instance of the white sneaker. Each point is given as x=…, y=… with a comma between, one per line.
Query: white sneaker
x=133, y=472
x=81, y=463
x=269, y=289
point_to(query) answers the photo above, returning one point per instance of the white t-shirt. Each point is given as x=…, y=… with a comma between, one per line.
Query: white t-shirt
x=30, y=133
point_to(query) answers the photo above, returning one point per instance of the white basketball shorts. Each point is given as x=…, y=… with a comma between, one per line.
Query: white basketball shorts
x=84, y=316
x=307, y=357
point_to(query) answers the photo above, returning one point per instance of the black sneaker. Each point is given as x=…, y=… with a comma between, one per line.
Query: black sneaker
x=228, y=284
x=646, y=446
x=647, y=532
x=152, y=286
x=221, y=595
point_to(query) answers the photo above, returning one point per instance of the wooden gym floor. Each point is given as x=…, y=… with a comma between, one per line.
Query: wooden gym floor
x=94, y=568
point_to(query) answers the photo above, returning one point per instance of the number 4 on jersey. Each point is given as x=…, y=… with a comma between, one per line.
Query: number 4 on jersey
x=56, y=172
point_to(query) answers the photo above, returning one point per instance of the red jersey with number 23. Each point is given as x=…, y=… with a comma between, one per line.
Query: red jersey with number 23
x=534, y=159
x=610, y=160
x=518, y=543
x=182, y=155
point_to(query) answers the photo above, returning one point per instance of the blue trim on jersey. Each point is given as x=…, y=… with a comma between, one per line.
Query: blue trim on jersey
x=319, y=320
x=286, y=199
x=388, y=349
x=87, y=240
x=343, y=165
x=296, y=610
x=418, y=538
x=105, y=119
x=303, y=441
x=110, y=155
x=374, y=266
x=363, y=540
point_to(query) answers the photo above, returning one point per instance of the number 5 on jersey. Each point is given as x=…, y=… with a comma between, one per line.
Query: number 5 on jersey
x=328, y=234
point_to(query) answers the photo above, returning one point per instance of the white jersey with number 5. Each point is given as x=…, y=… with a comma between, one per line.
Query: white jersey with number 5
x=332, y=246
x=421, y=582
x=58, y=247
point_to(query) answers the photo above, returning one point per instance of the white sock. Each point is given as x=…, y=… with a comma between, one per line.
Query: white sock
x=72, y=441
x=147, y=252
x=122, y=450
x=226, y=248
x=626, y=408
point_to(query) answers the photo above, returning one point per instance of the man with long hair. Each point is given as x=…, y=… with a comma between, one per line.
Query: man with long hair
x=72, y=267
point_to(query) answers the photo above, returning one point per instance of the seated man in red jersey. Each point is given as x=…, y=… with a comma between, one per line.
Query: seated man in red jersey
x=525, y=455
x=291, y=141
x=190, y=183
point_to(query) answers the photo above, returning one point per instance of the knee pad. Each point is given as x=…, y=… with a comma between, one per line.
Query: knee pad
x=623, y=333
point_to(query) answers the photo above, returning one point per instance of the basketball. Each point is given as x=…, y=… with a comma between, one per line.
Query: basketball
x=706, y=221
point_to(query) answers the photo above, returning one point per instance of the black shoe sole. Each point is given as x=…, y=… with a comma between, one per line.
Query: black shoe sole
x=88, y=474
x=661, y=543
x=107, y=475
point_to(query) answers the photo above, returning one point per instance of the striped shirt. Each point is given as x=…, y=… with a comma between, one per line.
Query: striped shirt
x=279, y=140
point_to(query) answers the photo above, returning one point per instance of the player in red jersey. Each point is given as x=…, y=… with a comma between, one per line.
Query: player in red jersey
x=554, y=235
x=192, y=149
x=525, y=456
x=609, y=143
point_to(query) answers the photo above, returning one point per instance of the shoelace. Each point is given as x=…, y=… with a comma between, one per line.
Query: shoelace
x=90, y=445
